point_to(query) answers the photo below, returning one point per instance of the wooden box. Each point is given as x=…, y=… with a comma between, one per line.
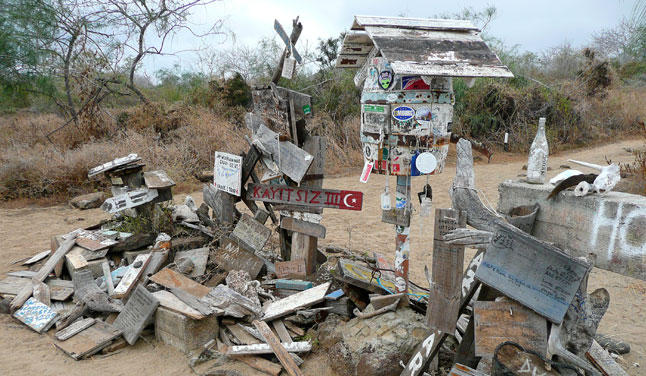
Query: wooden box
x=184, y=333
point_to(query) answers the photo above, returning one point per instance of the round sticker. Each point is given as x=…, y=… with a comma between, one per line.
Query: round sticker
x=426, y=163
x=423, y=115
x=403, y=113
x=391, y=97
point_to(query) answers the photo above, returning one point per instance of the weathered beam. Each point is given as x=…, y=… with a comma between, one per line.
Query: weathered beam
x=297, y=28
x=277, y=348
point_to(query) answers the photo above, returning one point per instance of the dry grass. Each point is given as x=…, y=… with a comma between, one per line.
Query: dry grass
x=181, y=141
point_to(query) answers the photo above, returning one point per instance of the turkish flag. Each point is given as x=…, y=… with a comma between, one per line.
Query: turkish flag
x=351, y=200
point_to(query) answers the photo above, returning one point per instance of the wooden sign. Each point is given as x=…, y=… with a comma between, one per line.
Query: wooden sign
x=36, y=315
x=135, y=315
x=283, y=35
x=350, y=61
x=268, y=143
x=294, y=161
x=361, y=276
x=394, y=216
x=446, y=277
x=58, y=289
x=318, y=198
x=89, y=341
x=285, y=306
x=130, y=279
x=227, y=173
x=460, y=370
x=498, y=322
x=429, y=347
x=520, y=362
x=157, y=179
x=303, y=227
x=252, y=234
x=172, y=279
x=293, y=268
x=113, y=164
x=221, y=202
x=129, y=200
x=537, y=275
x=229, y=257
x=199, y=257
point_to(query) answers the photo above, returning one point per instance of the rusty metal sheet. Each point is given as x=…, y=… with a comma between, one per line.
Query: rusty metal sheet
x=360, y=22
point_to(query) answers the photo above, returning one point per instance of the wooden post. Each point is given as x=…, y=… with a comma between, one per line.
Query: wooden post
x=402, y=243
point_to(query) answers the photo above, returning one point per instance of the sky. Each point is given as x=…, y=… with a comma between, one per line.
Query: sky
x=531, y=25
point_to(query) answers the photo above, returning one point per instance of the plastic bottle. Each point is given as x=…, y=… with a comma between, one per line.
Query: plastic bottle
x=537, y=163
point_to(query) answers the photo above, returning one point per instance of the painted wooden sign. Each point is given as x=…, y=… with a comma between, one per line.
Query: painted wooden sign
x=318, y=198
x=359, y=275
x=604, y=361
x=290, y=304
x=446, y=277
x=132, y=276
x=89, y=341
x=135, y=315
x=350, y=61
x=498, y=322
x=293, y=269
x=36, y=315
x=227, y=173
x=250, y=233
x=129, y=200
x=285, y=38
x=539, y=276
x=113, y=164
x=229, y=256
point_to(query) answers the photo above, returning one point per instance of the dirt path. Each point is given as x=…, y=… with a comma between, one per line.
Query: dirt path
x=25, y=232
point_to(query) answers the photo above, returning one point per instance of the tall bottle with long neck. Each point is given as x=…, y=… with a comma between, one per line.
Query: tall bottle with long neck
x=537, y=163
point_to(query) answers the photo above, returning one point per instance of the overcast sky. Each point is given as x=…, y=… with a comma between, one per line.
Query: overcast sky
x=532, y=25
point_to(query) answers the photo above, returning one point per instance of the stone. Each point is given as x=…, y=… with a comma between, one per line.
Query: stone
x=373, y=346
x=88, y=201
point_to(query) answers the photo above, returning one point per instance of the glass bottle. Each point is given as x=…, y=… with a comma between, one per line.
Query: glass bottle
x=538, y=152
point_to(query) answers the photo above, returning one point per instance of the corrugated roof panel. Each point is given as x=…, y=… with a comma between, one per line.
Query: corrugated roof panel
x=360, y=22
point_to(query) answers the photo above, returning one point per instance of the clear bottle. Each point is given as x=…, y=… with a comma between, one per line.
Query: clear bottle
x=537, y=163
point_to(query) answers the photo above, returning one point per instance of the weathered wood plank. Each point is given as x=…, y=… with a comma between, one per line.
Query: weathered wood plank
x=250, y=233
x=601, y=359
x=42, y=274
x=281, y=352
x=37, y=257
x=311, y=197
x=129, y=200
x=221, y=202
x=72, y=330
x=242, y=335
x=229, y=256
x=170, y=278
x=107, y=277
x=89, y=341
x=194, y=302
x=264, y=348
x=460, y=370
x=446, y=278
x=260, y=364
x=36, y=315
x=535, y=274
x=132, y=276
x=41, y=293
x=136, y=314
x=497, y=322
x=231, y=302
x=303, y=227
x=281, y=330
x=157, y=179
x=122, y=161
x=282, y=307
x=520, y=362
x=294, y=161
x=305, y=247
x=394, y=216
x=291, y=269
x=169, y=301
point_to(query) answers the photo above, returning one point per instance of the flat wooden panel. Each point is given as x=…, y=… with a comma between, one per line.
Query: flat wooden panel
x=76, y=327
x=35, y=315
x=294, y=161
x=130, y=279
x=539, y=276
x=283, y=307
x=350, y=61
x=497, y=322
x=303, y=227
x=169, y=301
x=252, y=234
x=446, y=287
x=293, y=268
x=158, y=179
x=601, y=359
x=172, y=279
x=522, y=363
x=318, y=198
x=259, y=363
x=89, y=341
x=229, y=256
x=135, y=315
x=394, y=216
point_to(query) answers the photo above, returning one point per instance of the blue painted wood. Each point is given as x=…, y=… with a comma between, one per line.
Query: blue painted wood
x=293, y=284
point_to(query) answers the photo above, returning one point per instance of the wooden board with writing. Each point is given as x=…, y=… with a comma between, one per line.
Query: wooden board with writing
x=157, y=179
x=89, y=341
x=229, y=256
x=135, y=315
x=58, y=289
x=497, y=322
x=72, y=330
x=132, y=276
x=251, y=234
x=537, y=275
x=285, y=306
x=446, y=277
x=36, y=315
x=310, y=197
x=399, y=217
x=172, y=279
x=292, y=269
x=294, y=161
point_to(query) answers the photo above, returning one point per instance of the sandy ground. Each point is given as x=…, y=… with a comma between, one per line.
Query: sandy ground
x=27, y=231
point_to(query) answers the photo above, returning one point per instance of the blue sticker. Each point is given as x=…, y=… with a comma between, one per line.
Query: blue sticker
x=403, y=113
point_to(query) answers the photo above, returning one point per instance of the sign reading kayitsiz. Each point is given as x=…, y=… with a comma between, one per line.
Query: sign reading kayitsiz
x=318, y=198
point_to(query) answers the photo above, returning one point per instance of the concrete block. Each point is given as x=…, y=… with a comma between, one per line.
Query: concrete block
x=610, y=226
x=182, y=332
